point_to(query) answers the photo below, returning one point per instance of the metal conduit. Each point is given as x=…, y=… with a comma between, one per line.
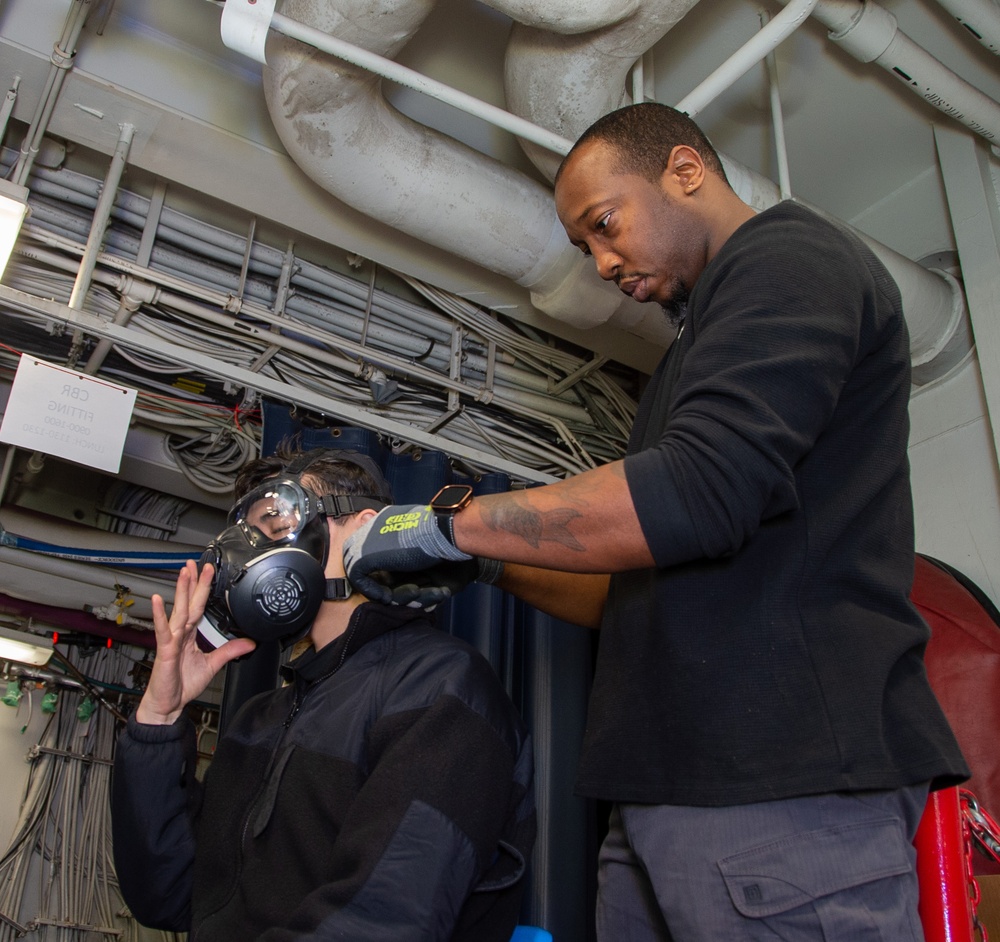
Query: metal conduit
x=201, y=238
x=869, y=33
x=740, y=62
x=61, y=62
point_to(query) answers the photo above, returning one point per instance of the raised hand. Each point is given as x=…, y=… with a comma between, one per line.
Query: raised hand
x=181, y=670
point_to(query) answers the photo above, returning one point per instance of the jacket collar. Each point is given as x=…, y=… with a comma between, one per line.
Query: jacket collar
x=368, y=621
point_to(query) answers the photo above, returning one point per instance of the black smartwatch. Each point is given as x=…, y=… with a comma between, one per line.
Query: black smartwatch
x=446, y=503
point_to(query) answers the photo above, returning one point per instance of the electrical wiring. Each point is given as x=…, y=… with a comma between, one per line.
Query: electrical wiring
x=522, y=396
x=139, y=511
x=149, y=364
x=228, y=346
x=57, y=874
x=209, y=443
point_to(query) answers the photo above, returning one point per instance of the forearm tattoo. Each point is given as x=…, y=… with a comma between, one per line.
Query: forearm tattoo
x=534, y=526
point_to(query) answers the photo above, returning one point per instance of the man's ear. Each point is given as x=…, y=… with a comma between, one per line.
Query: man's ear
x=347, y=525
x=338, y=534
x=685, y=170
x=363, y=516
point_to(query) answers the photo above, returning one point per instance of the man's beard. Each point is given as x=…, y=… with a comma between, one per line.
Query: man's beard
x=675, y=307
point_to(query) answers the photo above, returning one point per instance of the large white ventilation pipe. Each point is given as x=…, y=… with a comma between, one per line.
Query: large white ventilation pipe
x=537, y=89
x=336, y=124
x=565, y=81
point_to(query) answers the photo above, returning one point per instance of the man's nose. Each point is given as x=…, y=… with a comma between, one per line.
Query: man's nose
x=608, y=264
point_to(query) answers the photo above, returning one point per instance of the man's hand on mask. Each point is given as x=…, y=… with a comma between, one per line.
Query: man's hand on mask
x=401, y=557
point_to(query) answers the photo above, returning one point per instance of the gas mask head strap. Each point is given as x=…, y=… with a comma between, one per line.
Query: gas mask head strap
x=337, y=590
x=341, y=505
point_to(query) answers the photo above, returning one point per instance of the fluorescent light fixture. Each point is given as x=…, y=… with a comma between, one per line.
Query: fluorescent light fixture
x=24, y=647
x=13, y=209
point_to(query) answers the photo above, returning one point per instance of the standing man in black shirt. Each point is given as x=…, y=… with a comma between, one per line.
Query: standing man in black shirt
x=760, y=718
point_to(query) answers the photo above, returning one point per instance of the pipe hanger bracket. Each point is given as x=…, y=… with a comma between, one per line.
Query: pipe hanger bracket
x=245, y=24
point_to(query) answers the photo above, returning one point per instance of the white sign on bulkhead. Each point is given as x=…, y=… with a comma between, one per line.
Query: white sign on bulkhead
x=68, y=414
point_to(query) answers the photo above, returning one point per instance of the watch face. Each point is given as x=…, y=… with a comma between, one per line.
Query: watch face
x=451, y=498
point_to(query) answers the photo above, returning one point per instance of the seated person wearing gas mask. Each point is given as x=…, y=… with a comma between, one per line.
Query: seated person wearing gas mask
x=383, y=793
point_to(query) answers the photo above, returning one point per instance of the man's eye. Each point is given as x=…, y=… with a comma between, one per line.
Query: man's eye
x=602, y=223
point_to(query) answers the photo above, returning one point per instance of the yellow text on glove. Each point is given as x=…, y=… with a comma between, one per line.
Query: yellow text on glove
x=398, y=522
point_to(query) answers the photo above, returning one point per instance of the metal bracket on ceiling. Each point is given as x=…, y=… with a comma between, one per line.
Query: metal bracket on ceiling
x=245, y=24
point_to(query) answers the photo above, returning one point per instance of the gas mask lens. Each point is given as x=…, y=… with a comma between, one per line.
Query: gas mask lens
x=275, y=512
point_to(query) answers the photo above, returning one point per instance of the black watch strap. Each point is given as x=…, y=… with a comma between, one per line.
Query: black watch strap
x=446, y=524
x=447, y=502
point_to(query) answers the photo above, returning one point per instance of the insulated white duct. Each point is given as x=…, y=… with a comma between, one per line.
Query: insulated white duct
x=564, y=81
x=336, y=124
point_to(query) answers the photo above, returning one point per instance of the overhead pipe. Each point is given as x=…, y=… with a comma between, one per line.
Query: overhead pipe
x=135, y=293
x=762, y=44
x=568, y=16
x=379, y=65
x=23, y=570
x=981, y=18
x=565, y=81
x=85, y=272
x=641, y=78
x=870, y=33
x=933, y=301
x=777, y=121
x=8, y=105
x=337, y=126
x=102, y=215
x=384, y=164
x=61, y=61
x=69, y=619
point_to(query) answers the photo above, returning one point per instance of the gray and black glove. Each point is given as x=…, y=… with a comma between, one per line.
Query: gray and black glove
x=402, y=557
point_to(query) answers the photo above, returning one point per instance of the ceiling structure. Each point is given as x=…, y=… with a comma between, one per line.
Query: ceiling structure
x=211, y=230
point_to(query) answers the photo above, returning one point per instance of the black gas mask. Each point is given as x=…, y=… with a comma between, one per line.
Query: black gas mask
x=270, y=561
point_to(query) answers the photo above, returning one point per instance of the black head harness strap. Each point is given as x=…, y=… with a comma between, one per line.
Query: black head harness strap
x=337, y=590
x=341, y=505
x=382, y=493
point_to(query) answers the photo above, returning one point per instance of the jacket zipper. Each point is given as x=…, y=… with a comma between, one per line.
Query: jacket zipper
x=300, y=695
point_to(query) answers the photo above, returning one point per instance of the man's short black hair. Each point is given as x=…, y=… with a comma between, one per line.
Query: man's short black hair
x=643, y=136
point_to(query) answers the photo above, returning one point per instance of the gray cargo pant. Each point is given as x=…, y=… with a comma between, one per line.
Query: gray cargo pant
x=826, y=867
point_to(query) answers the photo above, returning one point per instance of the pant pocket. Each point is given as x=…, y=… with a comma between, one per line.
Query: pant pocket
x=833, y=873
